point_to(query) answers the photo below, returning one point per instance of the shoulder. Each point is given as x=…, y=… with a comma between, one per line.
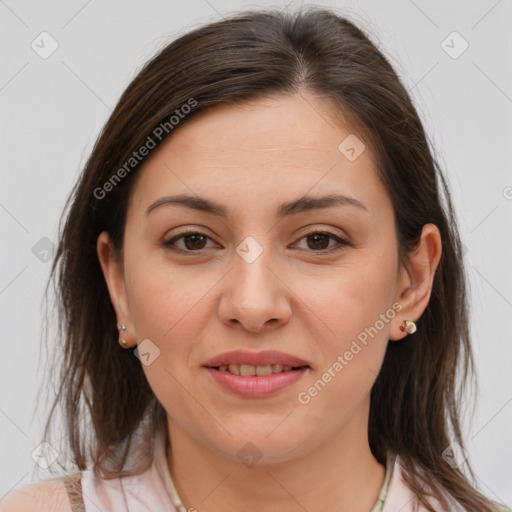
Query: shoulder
x=45, y=496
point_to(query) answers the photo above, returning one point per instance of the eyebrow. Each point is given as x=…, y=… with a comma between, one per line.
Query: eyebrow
x=303, y=204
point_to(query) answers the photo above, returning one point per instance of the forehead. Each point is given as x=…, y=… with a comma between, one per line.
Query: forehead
x=262, y=152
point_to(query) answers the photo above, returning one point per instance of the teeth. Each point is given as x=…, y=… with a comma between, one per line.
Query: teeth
x=234, y=369
x=263, y=370
x=249, y=370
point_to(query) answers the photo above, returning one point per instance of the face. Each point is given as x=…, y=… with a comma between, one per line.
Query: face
x=320, y=284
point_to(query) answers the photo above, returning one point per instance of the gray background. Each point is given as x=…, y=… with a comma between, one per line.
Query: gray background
x=52, y=110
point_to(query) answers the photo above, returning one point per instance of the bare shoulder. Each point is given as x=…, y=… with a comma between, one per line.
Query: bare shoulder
x=45, y=496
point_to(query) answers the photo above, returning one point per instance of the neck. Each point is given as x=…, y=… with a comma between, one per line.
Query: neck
x=340, y=474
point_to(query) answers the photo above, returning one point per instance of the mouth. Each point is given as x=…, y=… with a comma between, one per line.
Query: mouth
x=256, y=374
x=249, y=370
x=248, y=381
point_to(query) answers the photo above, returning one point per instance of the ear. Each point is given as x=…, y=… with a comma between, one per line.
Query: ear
x=416, y=280
x=114, y=277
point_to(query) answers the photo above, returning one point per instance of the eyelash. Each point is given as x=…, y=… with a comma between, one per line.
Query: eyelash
x=169, y=244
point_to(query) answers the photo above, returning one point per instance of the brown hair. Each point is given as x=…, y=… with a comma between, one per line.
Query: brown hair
x=416, y=400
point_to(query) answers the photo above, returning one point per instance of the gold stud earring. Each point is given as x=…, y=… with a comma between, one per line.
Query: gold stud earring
x=122, y=341
x=410, y=327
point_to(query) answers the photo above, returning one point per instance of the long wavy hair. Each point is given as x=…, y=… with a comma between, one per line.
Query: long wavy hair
x=417, y=399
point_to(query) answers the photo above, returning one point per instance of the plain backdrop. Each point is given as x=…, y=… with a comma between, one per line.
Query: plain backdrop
x=53, y=107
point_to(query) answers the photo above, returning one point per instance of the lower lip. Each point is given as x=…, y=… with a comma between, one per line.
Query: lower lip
x=256, y=387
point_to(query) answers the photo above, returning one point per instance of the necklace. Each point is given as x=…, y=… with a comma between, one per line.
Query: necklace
x=390, y=462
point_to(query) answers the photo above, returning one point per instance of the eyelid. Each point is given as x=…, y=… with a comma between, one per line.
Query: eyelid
x=307, y=231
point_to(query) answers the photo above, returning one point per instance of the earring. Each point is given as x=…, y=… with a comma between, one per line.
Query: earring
x=410, y=327
x=122, y=341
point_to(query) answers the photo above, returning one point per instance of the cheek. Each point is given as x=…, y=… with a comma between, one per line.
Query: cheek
x=359, y=311
x=162, y=299
x=356, y=305
x=353, y=300
x=166, y=308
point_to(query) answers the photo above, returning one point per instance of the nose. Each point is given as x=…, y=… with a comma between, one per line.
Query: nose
x=254, y=296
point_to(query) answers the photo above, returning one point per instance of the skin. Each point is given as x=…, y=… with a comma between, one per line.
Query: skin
x=252, y=157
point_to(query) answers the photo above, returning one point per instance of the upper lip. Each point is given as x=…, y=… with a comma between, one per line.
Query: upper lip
x=263, y=358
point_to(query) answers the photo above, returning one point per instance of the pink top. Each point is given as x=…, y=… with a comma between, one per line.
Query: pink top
x=154, y=491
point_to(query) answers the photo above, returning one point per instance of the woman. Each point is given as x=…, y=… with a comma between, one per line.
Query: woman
x=263, y=294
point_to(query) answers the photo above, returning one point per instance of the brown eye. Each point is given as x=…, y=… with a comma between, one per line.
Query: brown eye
x=193, y=241
x=318, y=241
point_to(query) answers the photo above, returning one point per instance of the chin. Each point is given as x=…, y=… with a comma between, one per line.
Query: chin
x=251, y=444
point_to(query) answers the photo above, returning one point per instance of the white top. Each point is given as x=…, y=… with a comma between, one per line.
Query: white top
x=154, y=491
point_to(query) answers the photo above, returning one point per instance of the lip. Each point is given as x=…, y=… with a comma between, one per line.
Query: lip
x=263, y=358
x=256, y=387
